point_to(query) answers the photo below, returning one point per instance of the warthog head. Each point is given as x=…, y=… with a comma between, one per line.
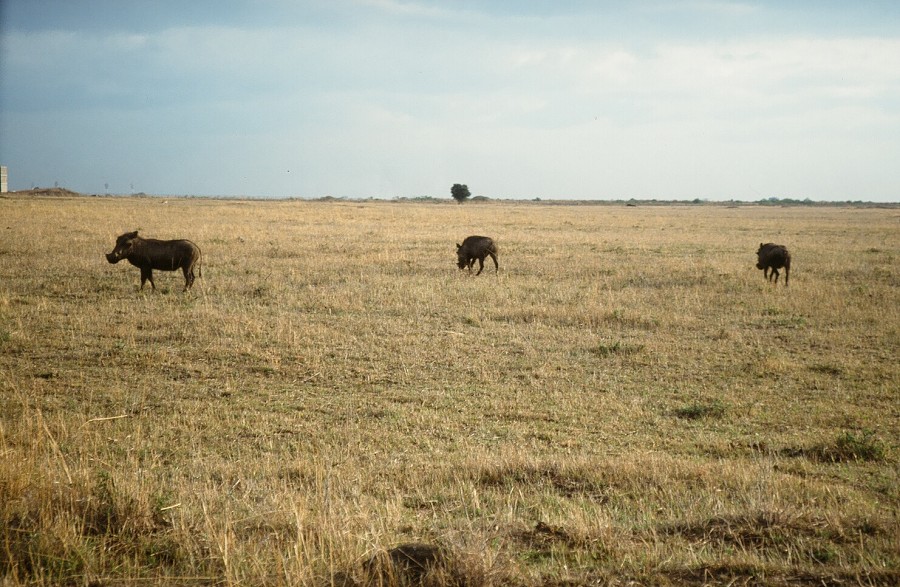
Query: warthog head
x=462, y=260
x=124, y=245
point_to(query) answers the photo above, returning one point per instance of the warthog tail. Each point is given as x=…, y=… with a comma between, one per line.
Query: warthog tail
x=199, y=261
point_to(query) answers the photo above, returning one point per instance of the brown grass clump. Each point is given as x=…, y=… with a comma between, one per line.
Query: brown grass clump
x=627, y=402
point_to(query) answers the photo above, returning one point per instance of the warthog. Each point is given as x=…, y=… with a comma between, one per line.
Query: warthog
x=148, y=254
x=774, y=257
x=476, y=247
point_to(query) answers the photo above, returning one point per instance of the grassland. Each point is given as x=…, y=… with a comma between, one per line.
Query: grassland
x=627, y=403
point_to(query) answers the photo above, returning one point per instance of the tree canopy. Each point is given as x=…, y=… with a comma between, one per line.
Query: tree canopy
x=460, y=192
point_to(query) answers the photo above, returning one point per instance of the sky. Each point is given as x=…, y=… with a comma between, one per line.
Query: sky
x=550, y=99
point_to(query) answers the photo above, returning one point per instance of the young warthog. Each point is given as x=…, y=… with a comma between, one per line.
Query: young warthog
x=774, y=257
x=476, y=247
x=148, y=254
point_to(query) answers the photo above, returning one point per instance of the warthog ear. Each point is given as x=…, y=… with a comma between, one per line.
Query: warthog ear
x=458, y=246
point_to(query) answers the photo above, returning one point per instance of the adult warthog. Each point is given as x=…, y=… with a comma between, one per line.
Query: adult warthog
x=476, y=247
x=774, y=257
x=148, y=254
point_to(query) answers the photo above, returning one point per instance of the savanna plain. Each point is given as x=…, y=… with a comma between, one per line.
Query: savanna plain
x=627, y=402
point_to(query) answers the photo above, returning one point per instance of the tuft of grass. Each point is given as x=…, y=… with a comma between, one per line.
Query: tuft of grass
x=853, y=446
x=847, y=447
x=698, y=410
x=616, y=348
x=834, y=370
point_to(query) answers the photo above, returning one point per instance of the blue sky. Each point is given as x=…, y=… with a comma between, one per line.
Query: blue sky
x=681, y=99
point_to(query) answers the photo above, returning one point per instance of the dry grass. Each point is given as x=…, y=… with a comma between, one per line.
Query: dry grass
x=627, y=402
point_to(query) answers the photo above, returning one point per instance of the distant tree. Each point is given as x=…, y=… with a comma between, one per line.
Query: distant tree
x=460, y=192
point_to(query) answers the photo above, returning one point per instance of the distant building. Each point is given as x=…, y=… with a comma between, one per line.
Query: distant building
x=4, y=185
